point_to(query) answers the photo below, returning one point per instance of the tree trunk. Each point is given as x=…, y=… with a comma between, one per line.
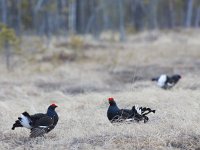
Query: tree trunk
x=172, y=14
x=197, y=18
x=121, y=20
x=47, y=28
x=138, y=14
x=33, y=14
x=72, y=17
x=80, y=16
x=152, y=14
x=106, y=21
x=188, y=20
x=18, y=28
x=7, y=54
x=4, y=11
x=59, y=15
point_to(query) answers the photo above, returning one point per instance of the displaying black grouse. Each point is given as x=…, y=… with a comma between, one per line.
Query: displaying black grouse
x=167, y=82
x=39, y=123
x=115, y=114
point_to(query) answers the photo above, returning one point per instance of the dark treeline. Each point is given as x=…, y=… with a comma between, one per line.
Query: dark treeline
x=47, y=17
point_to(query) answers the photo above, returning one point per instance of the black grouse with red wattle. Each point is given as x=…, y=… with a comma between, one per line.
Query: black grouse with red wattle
x=39, y=123
x=137, y=114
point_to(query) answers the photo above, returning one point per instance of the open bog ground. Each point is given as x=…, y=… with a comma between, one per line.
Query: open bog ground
x=79, y=74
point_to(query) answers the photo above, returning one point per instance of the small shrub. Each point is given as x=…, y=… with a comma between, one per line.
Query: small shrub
x=76, y=42
x=8, y=38
x=8, y=35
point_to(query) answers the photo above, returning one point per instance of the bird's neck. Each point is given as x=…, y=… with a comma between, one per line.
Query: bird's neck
x=114, y=106
x=51, y=112
x=112, y=103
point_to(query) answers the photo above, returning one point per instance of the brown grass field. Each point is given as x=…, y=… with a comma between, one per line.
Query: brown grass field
x=79, y=74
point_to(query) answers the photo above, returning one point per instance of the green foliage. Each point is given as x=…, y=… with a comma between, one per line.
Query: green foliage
x=8, y=35
x=25, y=4
x=50, y=7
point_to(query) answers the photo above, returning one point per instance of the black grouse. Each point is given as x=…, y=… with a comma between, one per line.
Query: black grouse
x=167, y=82
x=115, y=114
x=39, y=123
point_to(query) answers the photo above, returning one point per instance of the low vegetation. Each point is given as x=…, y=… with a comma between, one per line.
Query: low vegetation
x=80, y=88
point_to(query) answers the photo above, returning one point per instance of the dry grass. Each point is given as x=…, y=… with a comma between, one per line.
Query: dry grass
x=81, y=87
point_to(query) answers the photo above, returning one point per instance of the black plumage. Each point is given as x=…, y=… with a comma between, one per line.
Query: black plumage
x=115, y=114
x=38, y=123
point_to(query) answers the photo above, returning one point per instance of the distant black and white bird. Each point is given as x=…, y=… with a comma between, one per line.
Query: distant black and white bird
x=166, y=82
x=39, y=123
x=115, y=114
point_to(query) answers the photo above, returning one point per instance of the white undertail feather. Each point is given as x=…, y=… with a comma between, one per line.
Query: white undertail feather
x=129, y=120
x=170, y=84
x=43, y=126
x=138, y=109
x=162, y=80
x=25, y=122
